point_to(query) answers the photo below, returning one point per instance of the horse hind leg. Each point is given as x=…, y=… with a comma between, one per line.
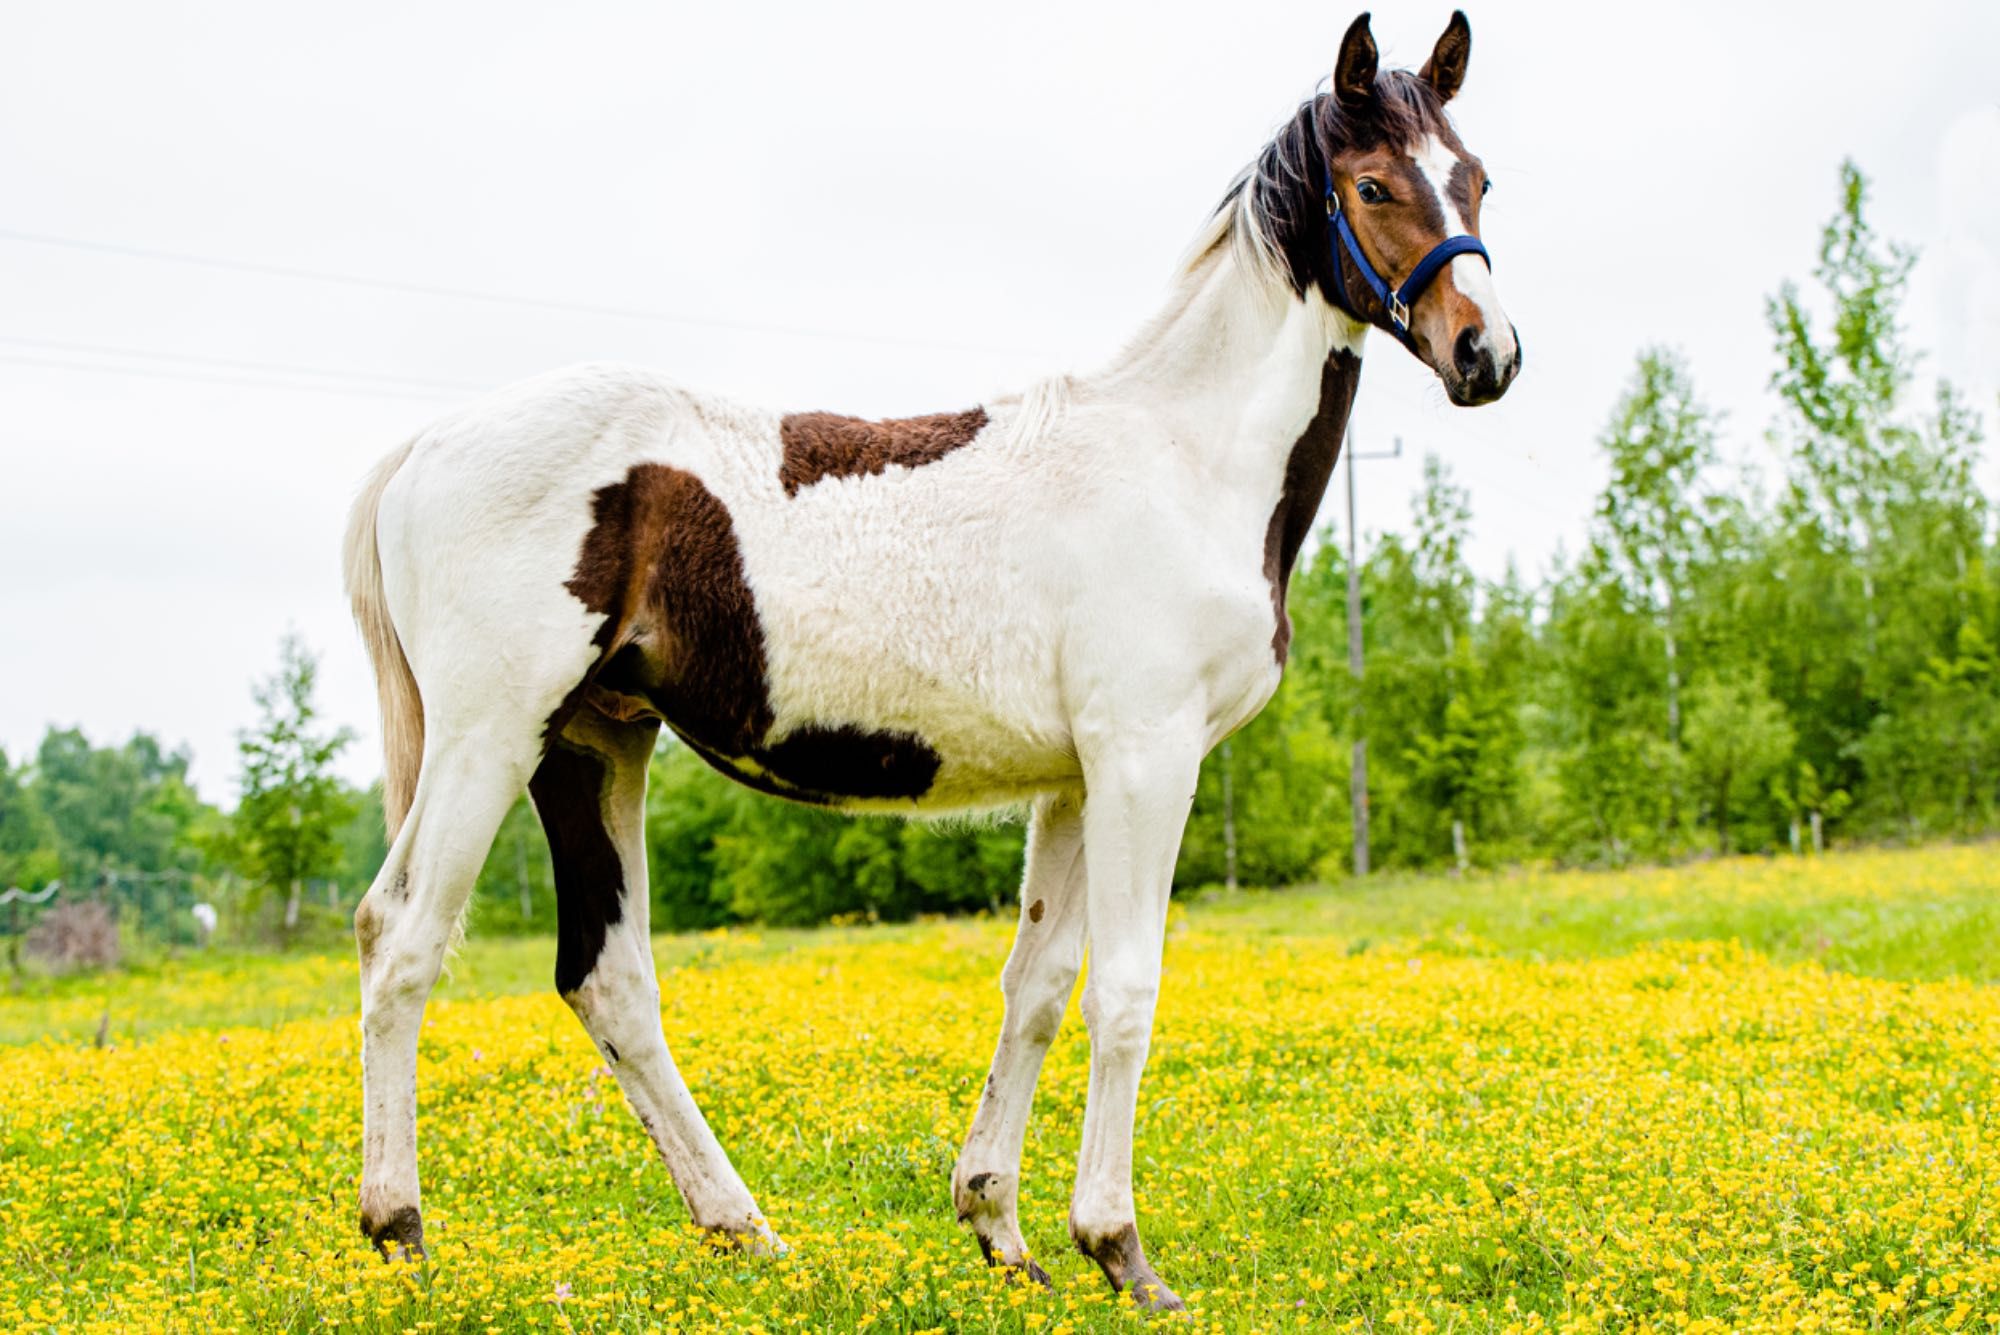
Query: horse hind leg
x=590, y=792
x=403, y=927
x=1041, y=971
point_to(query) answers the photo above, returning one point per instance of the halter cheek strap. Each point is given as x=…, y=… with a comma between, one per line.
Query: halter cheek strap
x=1397, y=300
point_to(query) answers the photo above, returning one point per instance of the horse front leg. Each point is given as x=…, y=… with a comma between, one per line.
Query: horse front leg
x=1139, y=787
x=1041, y=971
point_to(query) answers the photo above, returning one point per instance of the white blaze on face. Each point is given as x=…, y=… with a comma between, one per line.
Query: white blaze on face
x=1468, y=273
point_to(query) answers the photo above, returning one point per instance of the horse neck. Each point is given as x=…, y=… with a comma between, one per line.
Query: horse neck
x=1244, y=374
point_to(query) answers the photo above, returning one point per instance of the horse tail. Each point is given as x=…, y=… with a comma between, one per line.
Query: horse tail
x=395, y=684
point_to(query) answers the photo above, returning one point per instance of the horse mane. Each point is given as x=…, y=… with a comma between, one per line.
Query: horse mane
x=1273, y=217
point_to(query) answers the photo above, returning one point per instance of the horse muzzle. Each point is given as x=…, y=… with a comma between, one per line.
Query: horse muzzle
x=1481, y=367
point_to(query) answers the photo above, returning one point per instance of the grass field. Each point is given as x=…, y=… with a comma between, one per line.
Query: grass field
x=1742, y=1095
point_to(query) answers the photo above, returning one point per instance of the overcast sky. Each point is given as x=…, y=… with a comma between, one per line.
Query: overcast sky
x=874, y=209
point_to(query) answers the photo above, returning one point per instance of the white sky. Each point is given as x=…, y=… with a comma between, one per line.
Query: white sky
x=967, y=198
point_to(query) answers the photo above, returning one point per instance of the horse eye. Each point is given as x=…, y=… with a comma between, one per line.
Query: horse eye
x=1370, y=192
x=1485, y=187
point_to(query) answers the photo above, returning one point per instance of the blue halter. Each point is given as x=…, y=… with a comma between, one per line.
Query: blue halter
x=1396, y=301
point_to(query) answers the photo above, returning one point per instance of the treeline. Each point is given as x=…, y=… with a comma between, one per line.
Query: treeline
x=120, y=825
x=1731, y=664
x=1736, y=661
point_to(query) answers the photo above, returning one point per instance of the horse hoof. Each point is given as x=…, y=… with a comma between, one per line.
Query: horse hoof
x=1123, y=1261
x=756, y=1240
x=400, y=1237
x=1151, y=1295
x=1025, y=1268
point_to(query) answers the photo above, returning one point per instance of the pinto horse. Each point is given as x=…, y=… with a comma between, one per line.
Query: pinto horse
x=1061, y=599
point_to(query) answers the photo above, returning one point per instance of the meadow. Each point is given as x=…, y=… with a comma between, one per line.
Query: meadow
x=1741, y=1095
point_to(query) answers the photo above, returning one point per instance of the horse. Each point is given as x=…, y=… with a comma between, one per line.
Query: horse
x=1059, y=600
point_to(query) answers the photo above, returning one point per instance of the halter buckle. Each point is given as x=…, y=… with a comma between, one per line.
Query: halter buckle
x=1399, y=314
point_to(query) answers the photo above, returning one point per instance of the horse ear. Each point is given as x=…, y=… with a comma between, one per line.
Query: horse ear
x=1445, y=70
x=1354, y=71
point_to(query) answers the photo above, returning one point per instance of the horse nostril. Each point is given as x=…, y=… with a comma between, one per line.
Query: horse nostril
x=1465, y=354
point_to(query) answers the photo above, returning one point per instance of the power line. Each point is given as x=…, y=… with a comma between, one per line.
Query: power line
x=493, y=298
x=170, y=373
x=281, y=368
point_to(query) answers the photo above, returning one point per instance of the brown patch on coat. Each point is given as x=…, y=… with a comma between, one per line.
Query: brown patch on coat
x=822, y=445
x=847, y=761
x=1124, y=1264
x=661, y=564
x=1341, y=138
x=682, y=642
x=1465, y=188
x=1035, y=911
x=367, y=930
x=568, y=789
x=1307, y=472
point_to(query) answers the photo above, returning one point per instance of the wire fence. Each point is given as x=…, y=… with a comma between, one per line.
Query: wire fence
x=171, y=911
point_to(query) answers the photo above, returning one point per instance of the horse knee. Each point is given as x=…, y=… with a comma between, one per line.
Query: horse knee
x=1120, y=1016
x=1035, y=1012
x=395, y=972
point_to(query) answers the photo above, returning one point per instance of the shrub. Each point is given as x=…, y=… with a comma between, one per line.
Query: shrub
x=75, y=936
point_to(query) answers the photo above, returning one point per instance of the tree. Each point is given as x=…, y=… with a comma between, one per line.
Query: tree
x=720, y=853
x=290, y=819
x=1651, y=519
x=1452, y=717
x=123, y=808
x=1841, y=394
x=1877, y=572
x=28, y=855
x=1737, y=736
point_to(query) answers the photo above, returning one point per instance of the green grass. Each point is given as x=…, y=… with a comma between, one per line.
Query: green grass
x=1907, y=915
x=1631, y=1100
x=1902, y=914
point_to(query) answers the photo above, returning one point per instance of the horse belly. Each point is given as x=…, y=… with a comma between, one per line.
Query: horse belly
x=818, y=653
x=968, y=714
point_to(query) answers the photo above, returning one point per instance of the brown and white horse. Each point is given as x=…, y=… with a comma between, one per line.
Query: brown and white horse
x=1062, y=599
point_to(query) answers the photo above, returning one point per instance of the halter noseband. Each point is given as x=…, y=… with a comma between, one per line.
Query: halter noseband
x=1396, y=301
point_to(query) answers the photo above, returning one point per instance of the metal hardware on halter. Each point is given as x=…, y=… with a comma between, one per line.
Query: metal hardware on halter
x=1396, y=301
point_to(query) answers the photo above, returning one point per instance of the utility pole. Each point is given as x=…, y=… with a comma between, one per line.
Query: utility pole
x=1358, y=776
x=1228, y=819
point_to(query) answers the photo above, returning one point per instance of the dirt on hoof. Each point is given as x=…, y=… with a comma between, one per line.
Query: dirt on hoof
x=1124, y=1264
x=400, y=1237
x=756, y=1240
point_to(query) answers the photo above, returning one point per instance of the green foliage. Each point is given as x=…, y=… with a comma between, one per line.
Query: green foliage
x=720, y=854
x=28, y=855
x=123, y=808
x=289, y=822
x=516, y=891
x=1737, y=737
